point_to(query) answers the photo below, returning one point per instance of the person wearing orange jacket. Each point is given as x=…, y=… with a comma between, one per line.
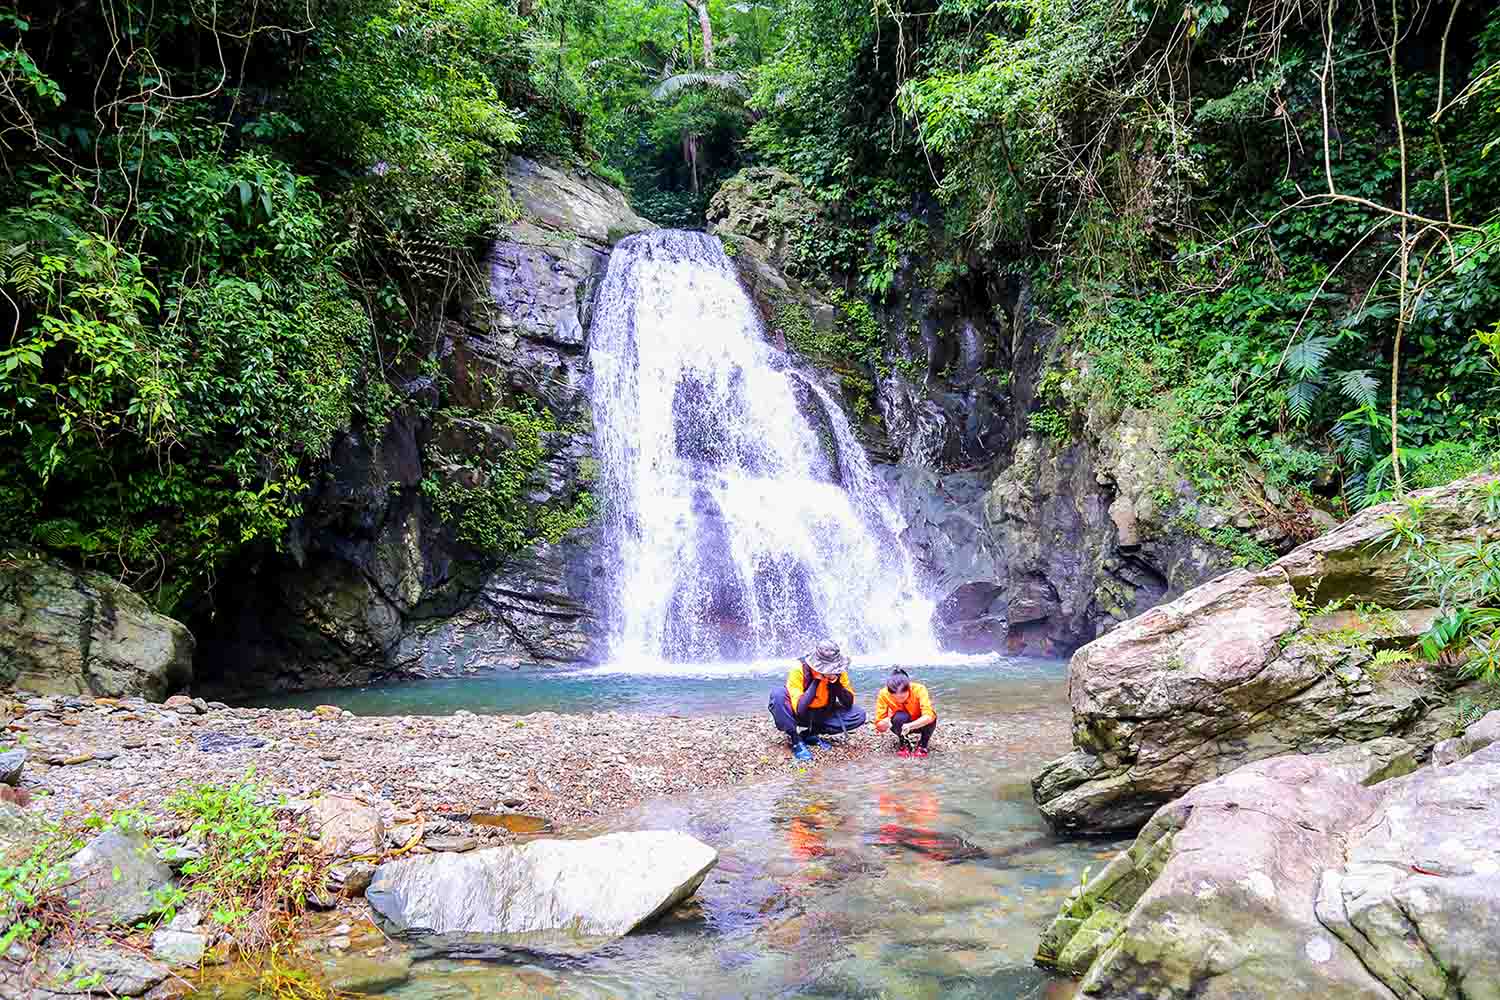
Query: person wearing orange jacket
x=905, y=708
x=818, y=698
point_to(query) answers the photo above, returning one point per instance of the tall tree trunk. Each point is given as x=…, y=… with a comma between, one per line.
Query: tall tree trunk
x=708, y=35
x=689, y=140
x=1403, y=310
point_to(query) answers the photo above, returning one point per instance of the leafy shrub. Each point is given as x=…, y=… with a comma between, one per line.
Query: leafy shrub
x=252, y=878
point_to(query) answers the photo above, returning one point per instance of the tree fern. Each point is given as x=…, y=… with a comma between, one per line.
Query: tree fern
x=673, y=85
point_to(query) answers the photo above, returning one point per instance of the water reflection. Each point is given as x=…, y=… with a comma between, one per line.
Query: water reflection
x=895, y=878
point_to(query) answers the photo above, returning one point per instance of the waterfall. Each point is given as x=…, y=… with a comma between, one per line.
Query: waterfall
x=742, y=519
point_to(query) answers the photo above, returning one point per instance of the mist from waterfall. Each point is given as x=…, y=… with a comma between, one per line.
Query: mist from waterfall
x=742, y=519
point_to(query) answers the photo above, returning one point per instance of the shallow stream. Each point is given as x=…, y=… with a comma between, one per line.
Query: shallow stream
x=891, y=877
x=974, y=687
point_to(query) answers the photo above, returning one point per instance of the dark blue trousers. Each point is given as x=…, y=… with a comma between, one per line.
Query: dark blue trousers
x=828, y=719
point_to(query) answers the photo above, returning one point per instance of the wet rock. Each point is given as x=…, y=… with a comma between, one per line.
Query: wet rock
x=768, y=205
x=544, y=894
x=115, y=878
x=11, y=763
x=352, y=879
x=178, y=948
x=1297, y=876
x=1229, y=673
x=1087, y=535
x=453, y=845
x=77, y=632
x=572, y=201
x=102, y=969
x=345, y=827
x=366, y=976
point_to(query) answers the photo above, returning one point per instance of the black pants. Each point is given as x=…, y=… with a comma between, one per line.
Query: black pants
x=924, y=734
x=828, y=719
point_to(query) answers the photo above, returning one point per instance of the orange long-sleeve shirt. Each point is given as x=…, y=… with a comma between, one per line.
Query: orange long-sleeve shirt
x=916, y=702
x=795, y=688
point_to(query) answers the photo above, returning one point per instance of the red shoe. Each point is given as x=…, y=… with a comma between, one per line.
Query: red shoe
x=919, y=752
x=903, y=752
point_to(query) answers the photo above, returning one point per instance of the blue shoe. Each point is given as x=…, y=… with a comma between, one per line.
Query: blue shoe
x=821, y=744
x=801, y=753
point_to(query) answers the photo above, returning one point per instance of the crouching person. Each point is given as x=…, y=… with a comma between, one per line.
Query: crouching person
x=817, y=699
x=905, y=708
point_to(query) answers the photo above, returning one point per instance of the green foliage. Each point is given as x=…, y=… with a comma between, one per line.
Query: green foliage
x=32, y=904
x=486, y=499
x=219, y=252
x=1462, y=579
x=1054, y=397
x=251, y=877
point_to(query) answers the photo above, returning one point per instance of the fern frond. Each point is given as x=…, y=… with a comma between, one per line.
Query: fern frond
x=673, y=85
x=1305, y=361
x=59, y=533
x=1299, y=398
x=1386, y=657
x=1358, y=386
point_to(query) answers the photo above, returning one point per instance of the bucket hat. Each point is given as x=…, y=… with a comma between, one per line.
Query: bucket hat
x=827, y=658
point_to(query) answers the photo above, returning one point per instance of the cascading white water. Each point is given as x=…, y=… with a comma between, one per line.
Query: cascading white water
x=737, y=529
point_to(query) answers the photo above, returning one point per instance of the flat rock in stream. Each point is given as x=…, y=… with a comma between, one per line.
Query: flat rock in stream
x=547, y=895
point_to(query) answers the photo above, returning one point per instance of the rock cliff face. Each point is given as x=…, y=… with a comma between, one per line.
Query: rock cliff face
x=1238, y=669
x=64, y=631
x=377, y=584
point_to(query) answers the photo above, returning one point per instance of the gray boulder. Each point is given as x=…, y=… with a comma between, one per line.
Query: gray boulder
x=179, y=948
x=104, y=969
x=64, y=631
x=345, y=827
x=115, y=878
x=1417, y=893
x=11, y=763
x=544, y=895
x=1232, y=672
x=1297, y=876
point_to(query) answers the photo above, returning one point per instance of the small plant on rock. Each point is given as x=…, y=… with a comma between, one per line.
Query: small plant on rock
x=32, y=904
x=252, y=877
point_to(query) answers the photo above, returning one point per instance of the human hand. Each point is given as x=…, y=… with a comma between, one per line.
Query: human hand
x=882, y=725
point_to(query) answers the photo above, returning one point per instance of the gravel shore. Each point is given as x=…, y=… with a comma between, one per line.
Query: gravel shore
x=101, y=755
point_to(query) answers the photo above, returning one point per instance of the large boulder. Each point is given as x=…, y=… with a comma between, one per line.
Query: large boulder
x=1301, y=876
x=544, y=895
x=1236, y=670
x=66, y=631
x=116, y=879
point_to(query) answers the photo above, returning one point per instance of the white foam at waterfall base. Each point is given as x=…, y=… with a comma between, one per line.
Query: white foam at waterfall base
x=736, y=529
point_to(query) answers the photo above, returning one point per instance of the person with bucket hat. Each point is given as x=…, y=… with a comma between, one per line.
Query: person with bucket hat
x=818, y=698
